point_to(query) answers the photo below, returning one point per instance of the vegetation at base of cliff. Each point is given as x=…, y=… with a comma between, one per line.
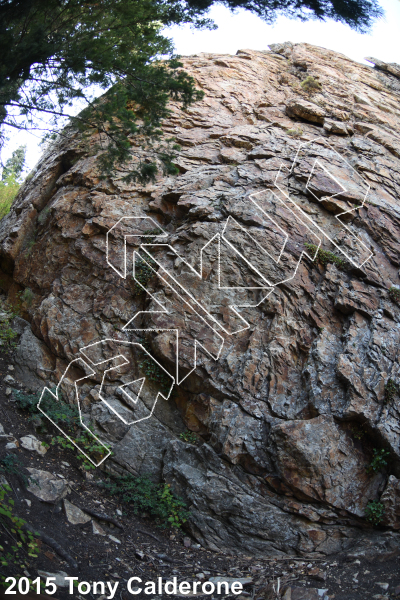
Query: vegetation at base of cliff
x=391, y=391
x=21, y=542
x=146, y=496
x=11, y=179
x=374, y=512
x=67, y=418
x=325, y=257
x=56, y=53
x=394, y=294
x=311, y=84
x=378, y=461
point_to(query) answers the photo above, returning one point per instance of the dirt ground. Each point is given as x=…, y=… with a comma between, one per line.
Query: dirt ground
x=139, y=548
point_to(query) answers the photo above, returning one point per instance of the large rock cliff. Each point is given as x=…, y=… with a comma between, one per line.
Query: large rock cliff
x=286, y=210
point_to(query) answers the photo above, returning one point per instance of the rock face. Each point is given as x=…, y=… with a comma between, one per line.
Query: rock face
x=287, y=355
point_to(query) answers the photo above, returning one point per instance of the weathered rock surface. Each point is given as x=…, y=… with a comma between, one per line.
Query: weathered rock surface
x=46, y=486
x=299, y=593
x=74, y=514
x=30, y=442
x=288, y=416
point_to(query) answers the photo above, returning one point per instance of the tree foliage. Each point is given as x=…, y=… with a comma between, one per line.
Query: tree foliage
x=358, y=14
x=15, y=164
x=11, y=179
x=54, y=53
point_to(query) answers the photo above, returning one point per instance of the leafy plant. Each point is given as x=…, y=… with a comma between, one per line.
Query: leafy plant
x=394, y=293
x=7, y=334
x=325, y=257
x=22, y=540
x=147, y=496
x=152, y=370
x=374, y=512
x=379, y=460
x=189, y=437
x=10, y=464
x=153, y=233
x=67, y=417
x=358, y=432
x=311, y=84
x=143, y=273
x=391, y=391
x=27, y=296
x=85, y=441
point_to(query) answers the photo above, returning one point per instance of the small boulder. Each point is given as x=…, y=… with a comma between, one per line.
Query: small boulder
x=303, y=593
x=30, y=442
x=335, y=127
x=59, y=577
x=12, y=446
x=9, y=379
x=297, y=107
x=75, y=515
x=97, y=529
x=46, y=486
x=114, y=539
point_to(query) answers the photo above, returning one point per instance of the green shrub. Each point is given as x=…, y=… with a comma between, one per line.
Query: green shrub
x=374, y=512
x=146, y=496
x=394, y=294
x=391, y=391
x=7, y=334
x=295, y=132
x=379, y=460
x=10, y=464
x=23, y=542
x=143, y=273
x=152, y=370
x=150, y=232
x=311, y=84
x=325, y=257
x=189, y=437
x=67, y=417
x=358, y=432
x=27, y=296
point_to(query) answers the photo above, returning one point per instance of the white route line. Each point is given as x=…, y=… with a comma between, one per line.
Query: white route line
x=153, y=222
x=164, y=310
x=56, y=397
x=358, y=176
